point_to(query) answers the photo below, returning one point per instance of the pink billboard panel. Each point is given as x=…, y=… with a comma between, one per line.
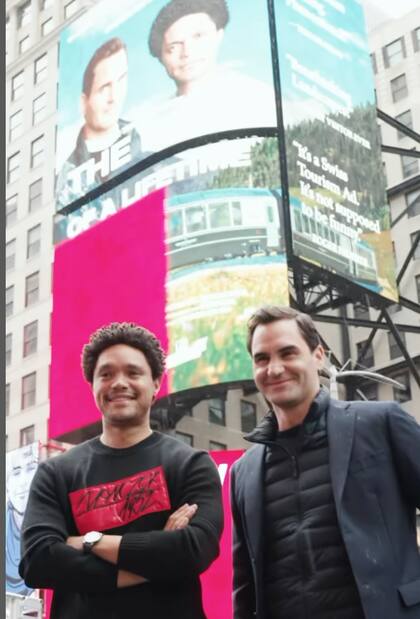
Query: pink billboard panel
x=217, y=580
x=115, y=271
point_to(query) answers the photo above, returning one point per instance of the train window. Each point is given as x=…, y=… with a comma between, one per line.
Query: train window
x=175, y=223
x=236, y=213
x=298, y=222
x=195, y=218
x=306, y=224
x=219, y=215
x=270, y=214
x=312, y=225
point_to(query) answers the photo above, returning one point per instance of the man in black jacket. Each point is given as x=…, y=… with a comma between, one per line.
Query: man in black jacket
x=123, y=524
x=324, y=503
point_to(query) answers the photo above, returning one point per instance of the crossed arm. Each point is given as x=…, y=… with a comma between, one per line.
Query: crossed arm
x=188, y=543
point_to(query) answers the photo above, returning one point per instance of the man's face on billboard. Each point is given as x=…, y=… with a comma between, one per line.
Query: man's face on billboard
x=102, y=106
x=19, y=478
x=190, y=47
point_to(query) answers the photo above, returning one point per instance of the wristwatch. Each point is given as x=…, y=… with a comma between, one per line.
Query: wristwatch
x=90, y=539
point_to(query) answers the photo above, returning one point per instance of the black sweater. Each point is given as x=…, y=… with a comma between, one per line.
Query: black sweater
x=129, y=492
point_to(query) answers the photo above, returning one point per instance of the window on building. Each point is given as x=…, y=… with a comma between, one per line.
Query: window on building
x=248, y=416
x=374, y=65
x=37, y=152
x=13, y=168
x=40, y=69
x=406, y=119
x=35, y=195
x=394, y=309
x=70, y=8
x=11, y=210
x=394, y=349
x=47, y=26
x=361, y=311
x=24, y=44
x=10, y=293
x=416, y=39
x=24, y=14
x=46, y=4
x=394, y=52
x=32, y=289
x=10, y=255
x=33, y=241
x=17, y=86
x=185, y=438
x=15, y=125
x=8, y=349
x=418, y=287
x=7, y=399
x=413, y=237
x=28, y=390
x=370, y=391
x=216, y=446
x=39, y=108
x=369, y=359
x=27, y=436
x=30, y=338
x=402, y=395
x=399, y=88
x=412, y=200
x=217, y=413
x=409, y=165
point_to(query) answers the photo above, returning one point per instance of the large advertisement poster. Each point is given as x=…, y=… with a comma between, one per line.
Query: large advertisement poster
x=191, y=270
x=136, y=77
x=21, y=465
x=339, y=213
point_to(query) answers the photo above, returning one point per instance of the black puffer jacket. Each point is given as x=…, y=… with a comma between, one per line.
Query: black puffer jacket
x=307, y=572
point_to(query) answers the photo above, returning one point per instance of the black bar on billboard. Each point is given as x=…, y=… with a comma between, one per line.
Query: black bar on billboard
x=404, y=152
x=407, y=185
x=367, y=324
x=402, y=347
x=390, y=120
x=281, y=143
x=161, y=155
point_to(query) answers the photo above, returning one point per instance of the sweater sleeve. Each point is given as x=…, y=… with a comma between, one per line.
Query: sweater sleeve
x=176, y=555
x=46, y=560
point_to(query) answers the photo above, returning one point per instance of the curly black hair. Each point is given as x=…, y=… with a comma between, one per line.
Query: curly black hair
x=216, y=9
x=123, y=333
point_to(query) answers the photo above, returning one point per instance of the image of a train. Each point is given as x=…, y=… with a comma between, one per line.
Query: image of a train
x=218, y=224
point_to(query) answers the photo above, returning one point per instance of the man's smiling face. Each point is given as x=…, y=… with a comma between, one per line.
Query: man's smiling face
x=123, y=386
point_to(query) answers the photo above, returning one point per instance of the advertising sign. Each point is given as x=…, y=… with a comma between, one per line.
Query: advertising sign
x=21, y=465
x=138, y=77
x=191, y=271
x=340, y=218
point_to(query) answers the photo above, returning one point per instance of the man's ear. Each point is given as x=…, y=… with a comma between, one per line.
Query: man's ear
x=157, y=383
x=319, y=356
x=83, y=99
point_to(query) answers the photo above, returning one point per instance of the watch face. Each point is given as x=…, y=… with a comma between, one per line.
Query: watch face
x=92, y=537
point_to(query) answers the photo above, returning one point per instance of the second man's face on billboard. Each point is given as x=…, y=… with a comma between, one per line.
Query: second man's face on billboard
x=189, y=49
x=102, y=106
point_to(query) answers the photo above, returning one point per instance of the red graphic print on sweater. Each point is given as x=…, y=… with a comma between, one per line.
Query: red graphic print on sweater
x=116, y=503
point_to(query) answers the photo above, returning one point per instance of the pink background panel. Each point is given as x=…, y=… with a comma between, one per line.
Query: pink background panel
x=216, y=582
x=115, y=271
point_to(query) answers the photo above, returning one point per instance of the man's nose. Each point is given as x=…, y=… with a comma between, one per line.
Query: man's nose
x=119, y=381
x=275, y=367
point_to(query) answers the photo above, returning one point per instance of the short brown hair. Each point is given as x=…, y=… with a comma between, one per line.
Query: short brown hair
x=123, y=333
x=270, y=313
x=107, y=49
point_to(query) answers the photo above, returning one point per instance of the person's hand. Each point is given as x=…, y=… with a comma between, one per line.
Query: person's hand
x=181, y=517
x=75, y=541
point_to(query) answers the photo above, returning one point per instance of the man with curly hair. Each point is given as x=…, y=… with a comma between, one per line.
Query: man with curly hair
x=186, y=37
x=123, y=524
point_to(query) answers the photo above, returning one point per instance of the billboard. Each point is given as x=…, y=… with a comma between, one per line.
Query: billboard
x=340, y=218
x=191, y=270
x=21, y=465
x=138, y=77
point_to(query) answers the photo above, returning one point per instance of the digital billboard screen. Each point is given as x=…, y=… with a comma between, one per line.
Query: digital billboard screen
x=191, y=269
x=340, y=217
x=138, y=77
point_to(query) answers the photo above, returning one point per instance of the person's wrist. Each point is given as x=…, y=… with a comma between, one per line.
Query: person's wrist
x=90, y=539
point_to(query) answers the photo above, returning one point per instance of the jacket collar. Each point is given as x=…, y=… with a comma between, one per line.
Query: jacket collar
x=267, y=429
